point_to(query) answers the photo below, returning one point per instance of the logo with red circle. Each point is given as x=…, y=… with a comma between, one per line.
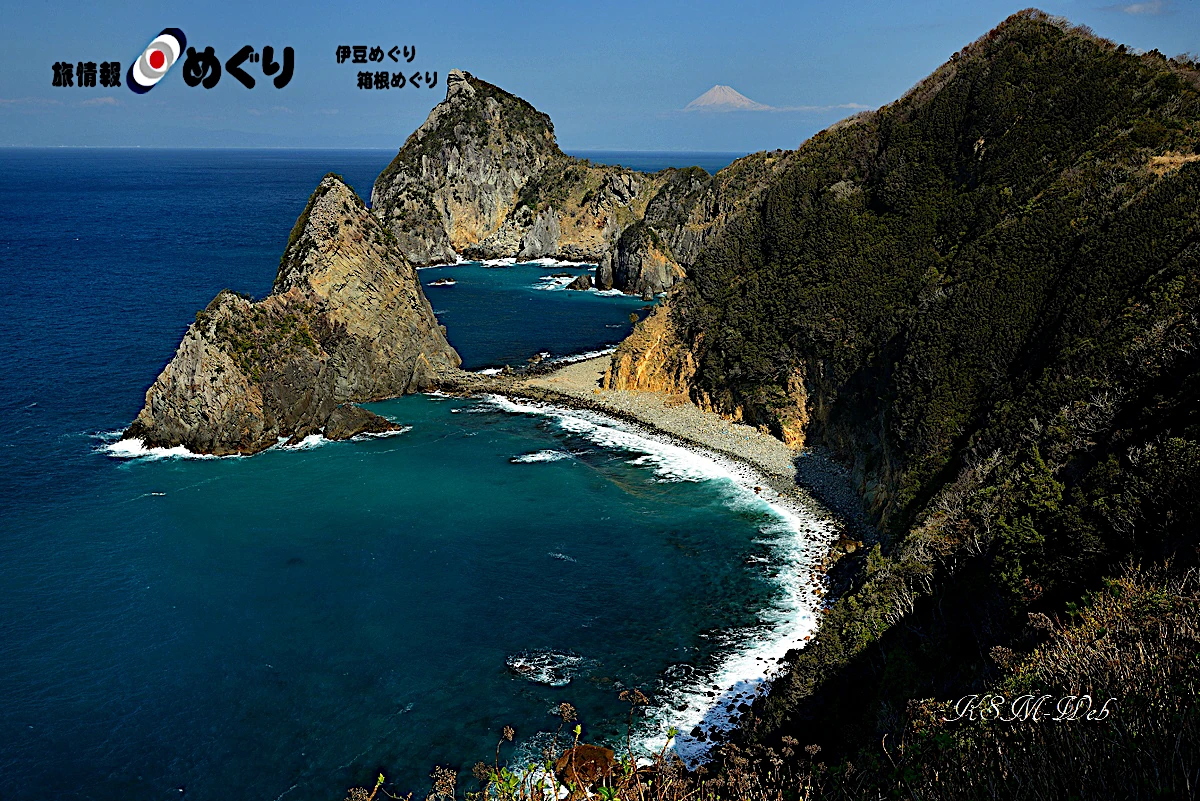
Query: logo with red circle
x=156, y=60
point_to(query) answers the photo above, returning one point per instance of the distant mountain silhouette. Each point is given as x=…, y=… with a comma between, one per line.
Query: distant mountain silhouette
x=725, y=98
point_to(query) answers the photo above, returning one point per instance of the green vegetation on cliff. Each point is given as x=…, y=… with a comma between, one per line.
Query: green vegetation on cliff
x=990, y=289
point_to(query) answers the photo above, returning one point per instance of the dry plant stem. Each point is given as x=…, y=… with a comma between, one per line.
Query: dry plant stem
x=574, y=772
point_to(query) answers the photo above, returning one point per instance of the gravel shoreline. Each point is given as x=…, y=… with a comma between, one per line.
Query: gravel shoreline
x=667, y=414
x=825, y=490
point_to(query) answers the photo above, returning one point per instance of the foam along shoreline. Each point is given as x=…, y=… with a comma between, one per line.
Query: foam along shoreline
x=704, y=701
x=677, y=442
x=460, y=260
x=542, y=262
x=549, y=283
x=545, y=283
x=550, y=360
x=510, y=262
x=575, y=382
x=557, y=361
x=135, y=448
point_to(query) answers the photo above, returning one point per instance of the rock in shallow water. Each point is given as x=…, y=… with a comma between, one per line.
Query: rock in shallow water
x=585, y=765
x=542, y=666
x=348, y=420
x=582, y=282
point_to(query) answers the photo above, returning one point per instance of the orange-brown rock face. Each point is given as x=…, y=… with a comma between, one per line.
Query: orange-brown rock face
x=652, y=358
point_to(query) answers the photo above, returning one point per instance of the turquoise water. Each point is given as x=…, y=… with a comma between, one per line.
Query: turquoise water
x=286, y=625
x=495, y=315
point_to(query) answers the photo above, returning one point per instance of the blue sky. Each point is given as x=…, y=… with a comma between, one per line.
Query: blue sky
x=612, y=75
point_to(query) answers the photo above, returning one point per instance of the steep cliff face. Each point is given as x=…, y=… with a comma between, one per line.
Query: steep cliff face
x=652, y=358
x=644, y=265
x=457, y=177
x=346, y=322
x=484, y=178
x=687, y=207
x=692, y=205
x=656, y=357
x=899, y=272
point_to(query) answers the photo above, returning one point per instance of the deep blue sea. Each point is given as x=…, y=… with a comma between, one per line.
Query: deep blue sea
x=290, y=624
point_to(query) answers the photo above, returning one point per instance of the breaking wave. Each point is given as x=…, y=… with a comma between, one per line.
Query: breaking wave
x=540, y=456
x=543, y=666
x=703, y=701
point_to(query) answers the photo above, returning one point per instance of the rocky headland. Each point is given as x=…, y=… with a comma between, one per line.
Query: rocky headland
x=346, y=322
x=484, y=178
x=983, y=301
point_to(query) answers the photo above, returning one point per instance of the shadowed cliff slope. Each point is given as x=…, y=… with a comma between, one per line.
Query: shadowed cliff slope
x=984, y=298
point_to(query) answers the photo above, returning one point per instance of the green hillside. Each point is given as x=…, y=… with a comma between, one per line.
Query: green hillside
x=989, y=289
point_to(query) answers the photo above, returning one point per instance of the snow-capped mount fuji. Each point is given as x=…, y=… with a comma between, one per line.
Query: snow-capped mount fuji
x=725, y=98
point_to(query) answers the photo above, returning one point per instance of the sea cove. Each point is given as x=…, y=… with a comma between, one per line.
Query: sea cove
x=338, y=608
x=473, y=467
